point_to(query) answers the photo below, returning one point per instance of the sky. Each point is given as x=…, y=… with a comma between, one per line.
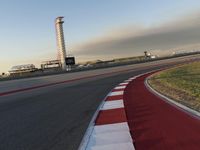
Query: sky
x=94, y=29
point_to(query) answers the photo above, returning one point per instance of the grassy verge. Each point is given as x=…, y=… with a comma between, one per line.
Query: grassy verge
x=181, y=84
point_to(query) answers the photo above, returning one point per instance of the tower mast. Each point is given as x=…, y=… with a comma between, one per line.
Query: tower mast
x=60, y=42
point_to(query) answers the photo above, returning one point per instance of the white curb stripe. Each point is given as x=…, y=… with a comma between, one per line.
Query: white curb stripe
x=113, y=104
x=123, y=83
x=116, y=93
x=112, y=138
x=108, y=138
x=111, y=128
x=129, y=80
x=120, y=87
x=132, y=78
x=120, y=146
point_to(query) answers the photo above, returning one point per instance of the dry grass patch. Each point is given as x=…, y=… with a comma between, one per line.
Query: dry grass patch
x=181, y=84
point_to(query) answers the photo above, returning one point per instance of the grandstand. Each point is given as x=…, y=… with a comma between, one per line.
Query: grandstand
x=20, y=69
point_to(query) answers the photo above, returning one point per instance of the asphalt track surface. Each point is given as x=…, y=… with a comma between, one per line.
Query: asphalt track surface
x=55, y=117
x=157, y=125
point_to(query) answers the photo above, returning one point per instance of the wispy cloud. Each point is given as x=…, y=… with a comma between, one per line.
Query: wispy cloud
x=175, y=35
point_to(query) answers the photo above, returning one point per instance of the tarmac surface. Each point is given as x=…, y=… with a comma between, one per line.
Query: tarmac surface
x=55, y=117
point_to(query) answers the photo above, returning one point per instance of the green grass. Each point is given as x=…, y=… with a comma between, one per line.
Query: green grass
x=180, y=83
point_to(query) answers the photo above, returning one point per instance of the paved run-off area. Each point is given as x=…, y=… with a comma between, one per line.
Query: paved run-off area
x=155, y=124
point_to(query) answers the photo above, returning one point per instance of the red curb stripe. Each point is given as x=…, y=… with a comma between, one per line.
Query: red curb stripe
x=111, y=116
x=117, y=97
x=116, y=90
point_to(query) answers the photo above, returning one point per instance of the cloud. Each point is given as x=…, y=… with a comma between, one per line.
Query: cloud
x=175, y=35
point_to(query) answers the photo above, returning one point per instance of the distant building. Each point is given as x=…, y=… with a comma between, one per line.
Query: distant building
x=179, y=53
x=148, y=55
x=50, y=64
x=153, y=56
x=20, y=69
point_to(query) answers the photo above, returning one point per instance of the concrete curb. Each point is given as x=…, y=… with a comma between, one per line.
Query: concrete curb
x=86, y=139
x=90, y=128
x=180, y=106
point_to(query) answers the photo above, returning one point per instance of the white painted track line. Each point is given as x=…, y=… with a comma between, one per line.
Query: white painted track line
x=116, y=93
x=111, y=137
x=113, y=104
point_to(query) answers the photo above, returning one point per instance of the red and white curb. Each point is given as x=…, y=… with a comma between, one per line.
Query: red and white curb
x=109, y=129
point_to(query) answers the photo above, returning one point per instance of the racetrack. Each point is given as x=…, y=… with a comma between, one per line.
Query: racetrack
x=57, y=115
